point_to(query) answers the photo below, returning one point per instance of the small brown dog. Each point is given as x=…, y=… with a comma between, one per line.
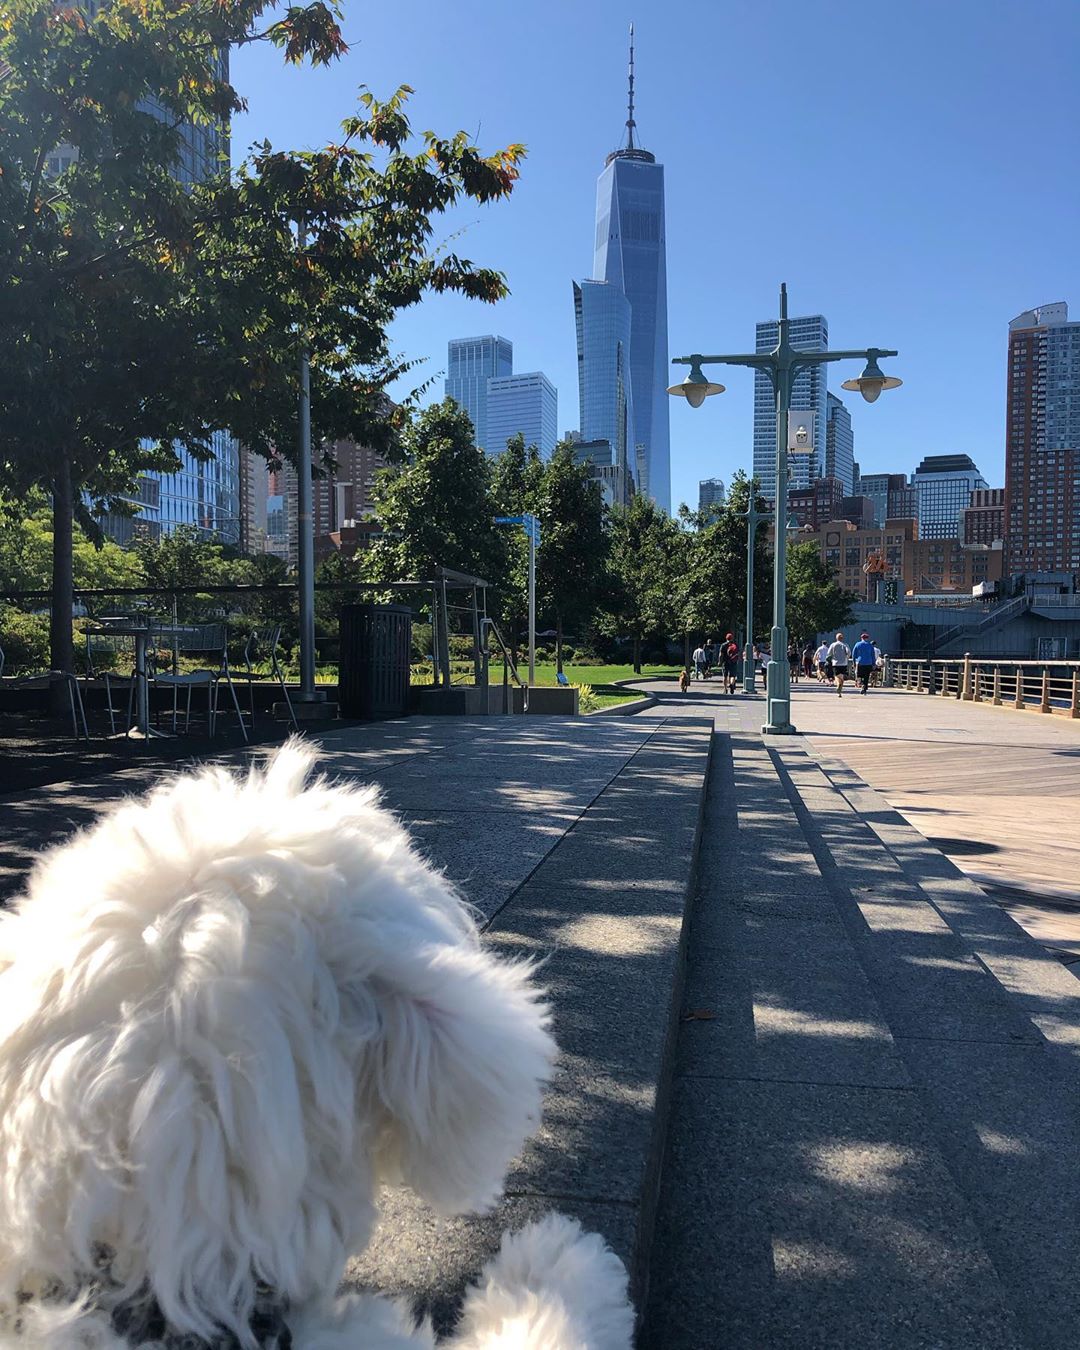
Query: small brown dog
x=684, y=680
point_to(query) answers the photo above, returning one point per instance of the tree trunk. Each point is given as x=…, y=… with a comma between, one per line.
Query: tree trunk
x=637, y=654
x=686, y=651
x=63, y=599
x=558, y=645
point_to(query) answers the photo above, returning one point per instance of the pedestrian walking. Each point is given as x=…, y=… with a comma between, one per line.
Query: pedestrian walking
x=839, y=659
x=794, y=663
x=699, y=662
x=879, y=665
x=821, y=659
x=808, y=660
x=863, y=656
x=730, y=655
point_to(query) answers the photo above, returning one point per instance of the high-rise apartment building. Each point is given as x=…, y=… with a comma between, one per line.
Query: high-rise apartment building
x=983, y=522
x=823, y=500
x=254, y=492
x=839, y=443
x=809, y=394
x=710, y=497
x=605, y=398
x=344, y=494
x=525, y=404
x=1042, y=442
x=630, y=255
x=944, y=484
x=470, y=364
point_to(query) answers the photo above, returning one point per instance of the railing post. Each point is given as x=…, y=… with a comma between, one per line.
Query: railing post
x=965, y=682
x=1018, y=703
x=997, y=687
x=1044, y=702
x=918, y=679
x=976, y=683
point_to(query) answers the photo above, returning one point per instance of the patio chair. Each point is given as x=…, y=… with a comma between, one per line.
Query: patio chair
x=42, y=680
x=210, y=640
x=102, y=645
x=263, y=646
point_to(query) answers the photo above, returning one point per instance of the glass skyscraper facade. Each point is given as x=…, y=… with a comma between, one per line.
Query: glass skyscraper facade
x=524, y=403
x=605, y=398
x=944, y=484
x=205, y=495
x=470, y=364
x=630, y=255
x=809, y=394
x=839, y=444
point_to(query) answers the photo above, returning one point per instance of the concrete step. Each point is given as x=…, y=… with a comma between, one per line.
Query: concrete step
x=987, y=1023
x=605, y=912
x=807, y=1200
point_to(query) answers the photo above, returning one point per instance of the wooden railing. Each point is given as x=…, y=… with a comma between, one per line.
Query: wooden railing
x=1045, y=686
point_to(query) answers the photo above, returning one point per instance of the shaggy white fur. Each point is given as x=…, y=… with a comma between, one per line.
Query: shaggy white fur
x=227, y=1013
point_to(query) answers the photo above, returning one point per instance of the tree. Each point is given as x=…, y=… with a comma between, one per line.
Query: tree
x=571, y=564
x=645, y=546
x=816, y=602
x=516, y=478
x=138, y=312
x=436, y=507
x=712, y=579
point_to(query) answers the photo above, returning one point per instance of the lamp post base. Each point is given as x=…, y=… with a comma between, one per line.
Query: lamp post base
x=779, y=729
x=778, y=690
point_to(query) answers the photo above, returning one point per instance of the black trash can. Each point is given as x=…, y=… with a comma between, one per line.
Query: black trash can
x=373, y=670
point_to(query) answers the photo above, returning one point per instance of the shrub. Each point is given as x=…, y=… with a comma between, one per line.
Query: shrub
x=587, y=700
x=25, y=640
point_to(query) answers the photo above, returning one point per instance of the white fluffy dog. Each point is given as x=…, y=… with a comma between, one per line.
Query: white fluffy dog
x=228, y=1012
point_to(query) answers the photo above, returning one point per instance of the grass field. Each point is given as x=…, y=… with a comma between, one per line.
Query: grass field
x=598, y=675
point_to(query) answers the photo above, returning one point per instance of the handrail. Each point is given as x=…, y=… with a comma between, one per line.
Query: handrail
x=509, y=665
x=1050, y=686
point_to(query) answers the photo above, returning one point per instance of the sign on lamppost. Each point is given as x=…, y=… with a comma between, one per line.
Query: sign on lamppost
x=531, y=525
x=800, y=439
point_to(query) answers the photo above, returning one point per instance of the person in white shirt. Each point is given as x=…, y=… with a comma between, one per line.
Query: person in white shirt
x=838, y=658
x=821, y=658
x=699, y=662
x=879, y=665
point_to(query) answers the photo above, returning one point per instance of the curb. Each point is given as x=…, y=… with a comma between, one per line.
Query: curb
x=634, y=705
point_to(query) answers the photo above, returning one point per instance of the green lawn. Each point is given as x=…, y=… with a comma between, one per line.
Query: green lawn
x=596, y=675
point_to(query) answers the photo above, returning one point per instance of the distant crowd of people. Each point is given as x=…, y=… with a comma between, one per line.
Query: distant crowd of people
x=831, y=662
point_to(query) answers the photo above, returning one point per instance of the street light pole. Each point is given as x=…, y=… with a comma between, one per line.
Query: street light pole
x=305, y=538
x=782, y=365
x=753, y=520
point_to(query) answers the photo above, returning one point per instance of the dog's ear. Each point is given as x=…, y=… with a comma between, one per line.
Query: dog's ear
x=454, y=1074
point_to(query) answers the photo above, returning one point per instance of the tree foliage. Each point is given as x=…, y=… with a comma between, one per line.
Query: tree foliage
x=139, y=311
x=647, y=553
x=816, y=602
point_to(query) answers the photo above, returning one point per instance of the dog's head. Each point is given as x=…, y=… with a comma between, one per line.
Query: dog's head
x=227, y=1012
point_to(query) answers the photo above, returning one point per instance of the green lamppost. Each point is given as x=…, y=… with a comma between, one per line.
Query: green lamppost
x=781, y=365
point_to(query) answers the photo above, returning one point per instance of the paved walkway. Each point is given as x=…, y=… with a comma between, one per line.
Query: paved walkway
x=998, y=791
x=873, y=1133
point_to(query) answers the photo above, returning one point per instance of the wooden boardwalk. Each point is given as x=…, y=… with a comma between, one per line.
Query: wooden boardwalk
x=996, y=790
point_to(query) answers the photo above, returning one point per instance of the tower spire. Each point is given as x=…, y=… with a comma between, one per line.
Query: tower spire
x=630, y=123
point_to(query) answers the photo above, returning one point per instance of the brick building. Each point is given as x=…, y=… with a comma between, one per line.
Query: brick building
x=983, y=522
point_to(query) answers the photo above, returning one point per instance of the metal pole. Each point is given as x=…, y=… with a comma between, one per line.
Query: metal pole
x=753, y=519
x=777, y=674
x=305, y=540
x=532, y=606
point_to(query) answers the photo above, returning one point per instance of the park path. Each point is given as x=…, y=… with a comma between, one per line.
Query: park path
x=998, y=791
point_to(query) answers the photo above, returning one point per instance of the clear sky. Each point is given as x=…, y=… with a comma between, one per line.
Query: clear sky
x=909, y=169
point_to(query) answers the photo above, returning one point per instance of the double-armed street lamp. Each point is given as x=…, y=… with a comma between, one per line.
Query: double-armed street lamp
x=782, y=365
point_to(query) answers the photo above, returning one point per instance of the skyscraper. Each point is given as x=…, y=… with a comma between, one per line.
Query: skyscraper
x=809, y=394
x=839, y=444
x=605, y=399
x=891, y=495
x=1042, y=442
x=710, y=495
x=522, y=403
x=630, y=255
x=944, y=484
x=470, y=363
x=204, y=494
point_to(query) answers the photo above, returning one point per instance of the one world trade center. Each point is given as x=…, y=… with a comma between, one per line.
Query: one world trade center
x=630, y=255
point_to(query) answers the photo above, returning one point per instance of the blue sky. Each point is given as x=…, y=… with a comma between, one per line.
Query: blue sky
x=909, y=169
